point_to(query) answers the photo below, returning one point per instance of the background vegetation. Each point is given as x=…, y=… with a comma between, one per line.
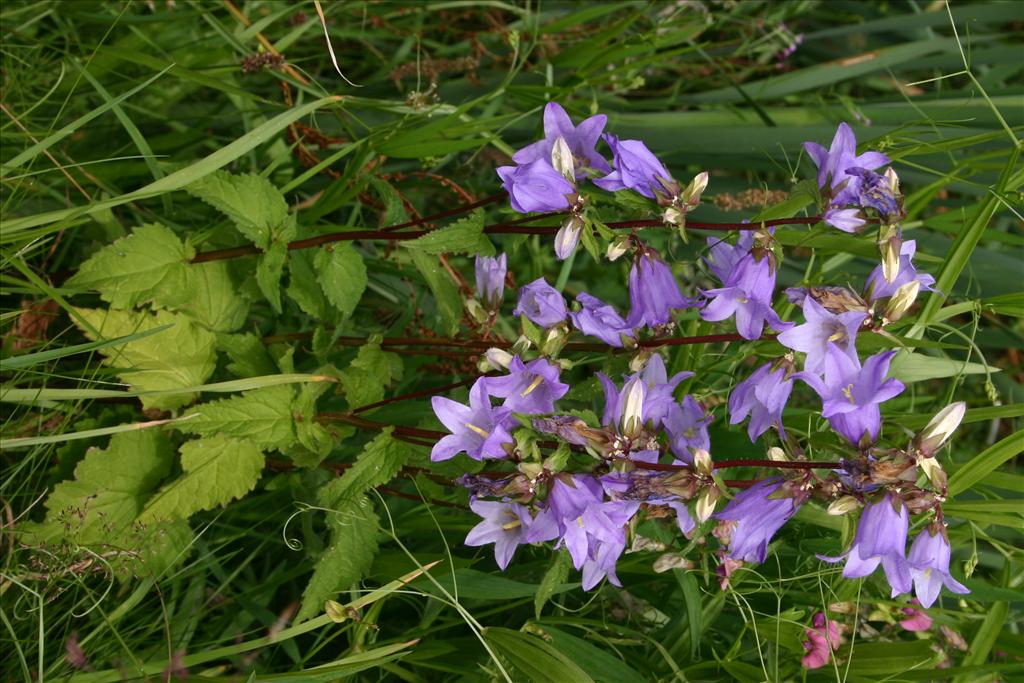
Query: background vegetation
x=123, y=559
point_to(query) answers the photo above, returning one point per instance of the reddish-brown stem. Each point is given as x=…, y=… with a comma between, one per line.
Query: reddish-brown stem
x=483, y=344
x=415, y=394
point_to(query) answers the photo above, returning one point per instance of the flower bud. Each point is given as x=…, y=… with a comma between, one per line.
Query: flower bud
x=561, y=159
x=941, y=427
x=568, y=236
x=476, y=311
x=554, y=340
x=521, y=346
x=777, y=454
x=337, y=612
x=691, y=195
x=618, y=246
x=671, y=561
x=497, y=358
x=890, y=245
x=901, y=301
x=843, y=505
x=632, y=407
x=706, y=503
x=702, y=461
x=674, y=216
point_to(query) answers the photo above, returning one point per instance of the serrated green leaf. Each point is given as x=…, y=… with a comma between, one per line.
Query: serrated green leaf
x=378, y=464
x=464, y=236
x=248, y=354
x=215, y=471
x=109, y=489
x=268, y=273
x=184, y=355
x=209, y=297
x=342, y=276
x=369, y=374
x=354, y=526
x=137, y=268
x=394, y=209
x=555, y=576
x=263, y=416
x=304, y=289
x=535, y=659
x=254, y=205
x=446, y=294
x=916, y=367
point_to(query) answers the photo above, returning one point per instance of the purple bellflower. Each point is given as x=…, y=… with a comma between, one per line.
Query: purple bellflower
x=821, y=329
x=755, y=518
x=536, y=186
x=686, y=424
x=878, y=193
x=746, y=293
x=833, y=164
x=541, y=303
x=636, y=168
x=881, y=539
x=490, y=279
x=851, y=393
x=763, y=397
x=653, y=292
x=723, y=257
x=597, y=538
x=878, y=288
x=505, y=525
x=929, y=565
x=479, y=429
x=530, y=388
x=601, y=320
x=581, y=140
x=847, y=220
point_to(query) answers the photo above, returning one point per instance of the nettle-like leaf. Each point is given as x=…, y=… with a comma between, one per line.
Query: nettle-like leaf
x=378, y=464
x=394, y=210
x=254, y=205
x=216, y=470
x=138, y=268
x=268, y=273
x=263, y=416
x=354, y=528
x=109, y=489
x=369, y=374
x=464, y=236
x=304, y=288
x=248, y=354
x=446, y=294
x=182, y=356
x=342, y=276
x=209, y=297
x=98, y=509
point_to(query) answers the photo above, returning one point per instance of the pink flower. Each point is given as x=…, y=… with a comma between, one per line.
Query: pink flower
x=917, y=619
x=822, y=640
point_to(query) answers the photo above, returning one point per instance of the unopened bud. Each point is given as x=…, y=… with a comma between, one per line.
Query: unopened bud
x=702, y=461
x=476, y=310
x=941, y=427
x=567, y=237
x=335, y=611
x=933, y=470
x=617, y=247
x=671, y=561
x=890, y=245
x=901, y=301
x=691, y=195
x=633, y=406
x=639, y=361
x=531, y=470
x=777, y=454
x=554, y=340
x=497, y=359
x=843, y=505
x=521, y=346
x=561, y=159
x=706, y=503
x=673, y=215
x=893, y=180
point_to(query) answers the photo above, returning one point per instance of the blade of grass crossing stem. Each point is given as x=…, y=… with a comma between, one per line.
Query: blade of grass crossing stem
x=694, y=616
x=985, y=462
x=960, y=252
x=29, y=359
x=27, y=441
x=177, y=180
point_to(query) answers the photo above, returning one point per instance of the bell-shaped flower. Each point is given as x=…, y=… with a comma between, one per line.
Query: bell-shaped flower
x=653, y=292
x=567, y=237
x=479, y=429
x=879, y=288
x=686, y=424
x=581, y=141
x=851, y=393
x=881, y=539
x=536, y=186
x=763, y=397
x=756, y=515
x=541, y=303
x=822, y=329
x=601, y=320
x=504, y=524
x=530, y=388
x=848, y=220
x=490, y=279
x=929, y=565
x=645, y=397
x=636, y=168
x=723, y=257
x=747, y=294
x=880, y=193
x=833, y=164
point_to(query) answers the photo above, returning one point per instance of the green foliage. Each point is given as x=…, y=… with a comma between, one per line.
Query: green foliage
x=446, y=293
x=181, y=356
x=215, y=471
x=268, y=273
x=378, y=464
x=263, y=416
x=342, y=276
x=464, y=236
x=533, y=658
x=150, y=263
x=253, y=204
x=369, y=373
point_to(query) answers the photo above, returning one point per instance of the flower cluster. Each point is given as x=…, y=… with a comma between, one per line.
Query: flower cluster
x=585, y=482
